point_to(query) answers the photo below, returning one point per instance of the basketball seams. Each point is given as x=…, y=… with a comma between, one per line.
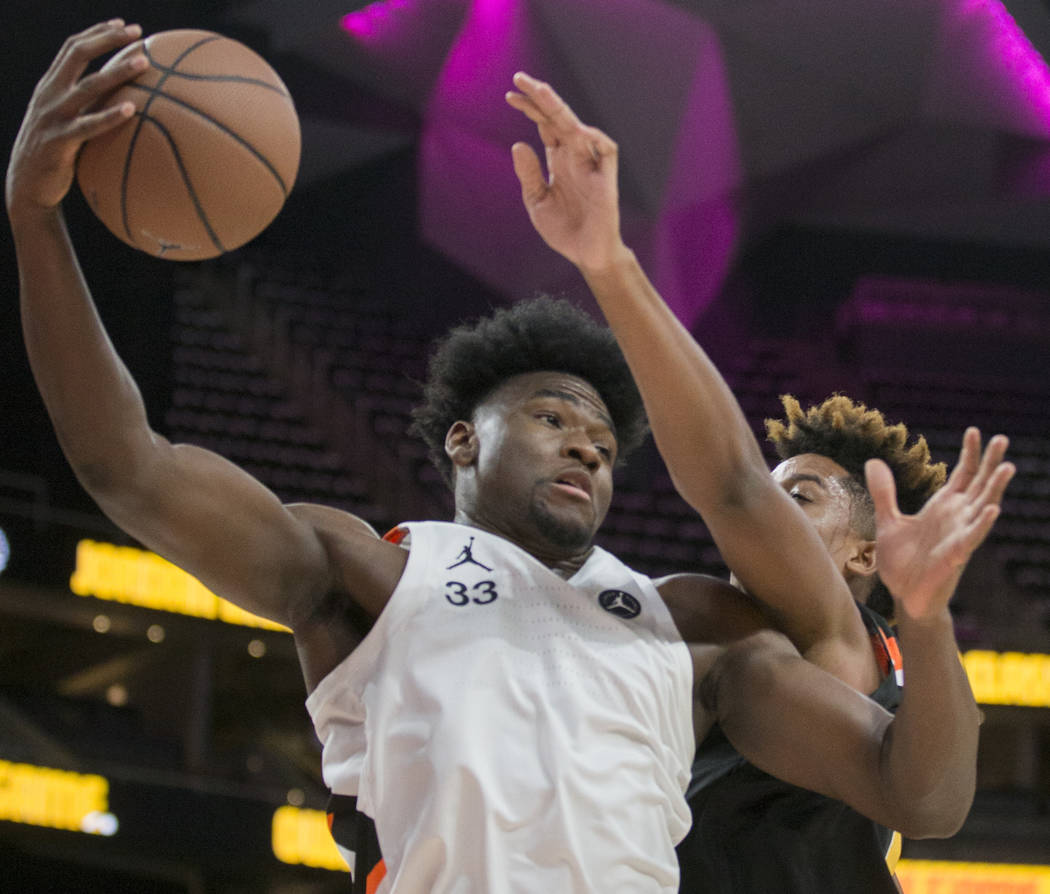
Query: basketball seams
x=157, y=92
x=143, y=116
x=171, y=71
x=207, y=121
x=221, y=79
x=187, y=182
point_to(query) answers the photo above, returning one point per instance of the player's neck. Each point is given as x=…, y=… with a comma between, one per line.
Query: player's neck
x=562, y=562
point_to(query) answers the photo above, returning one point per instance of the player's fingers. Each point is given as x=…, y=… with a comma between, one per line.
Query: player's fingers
x=79, y=50
x=968, y=463
x=547, y=132
x=558, y=124
x=524, y=105
x=529, y=172
x=84, y=127
x=990, y=462
x=90, y=90
x=977, y=530
x=995, y=486
x=599, y=144
x=561, y=117
x=883, y=491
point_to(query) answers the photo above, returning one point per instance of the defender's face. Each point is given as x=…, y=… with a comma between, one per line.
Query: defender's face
x=546, y=450
x=816, y=484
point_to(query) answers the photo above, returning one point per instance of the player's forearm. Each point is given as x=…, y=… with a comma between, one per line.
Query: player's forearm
x=930, y=754
x=93, y=402
x=698, y=425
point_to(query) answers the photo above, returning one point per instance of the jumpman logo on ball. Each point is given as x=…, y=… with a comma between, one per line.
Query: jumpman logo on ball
x=466, y=556
x=163, y=246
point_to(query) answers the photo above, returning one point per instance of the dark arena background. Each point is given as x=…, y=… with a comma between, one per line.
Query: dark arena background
x=843, y=197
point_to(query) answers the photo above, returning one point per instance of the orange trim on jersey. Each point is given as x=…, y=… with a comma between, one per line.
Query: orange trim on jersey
x=396, y=535
x=377, y=874
x=331, y=821
x=893, y=647
x=887, y=653
x=882, y=654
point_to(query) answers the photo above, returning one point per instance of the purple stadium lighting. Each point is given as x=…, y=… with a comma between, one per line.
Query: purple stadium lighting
x=1008, y=65
x=1021, y=59
x=369, y=22
x=915, y=116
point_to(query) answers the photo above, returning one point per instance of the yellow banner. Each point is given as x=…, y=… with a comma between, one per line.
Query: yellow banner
x=139, y=577
x=301, y=837
x=1007, y=678
x=55, y=799
x=936, y=877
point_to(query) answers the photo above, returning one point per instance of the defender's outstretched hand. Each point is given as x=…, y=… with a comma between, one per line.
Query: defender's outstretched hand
x=921, y=556
x=64, y=112
x=575, y=206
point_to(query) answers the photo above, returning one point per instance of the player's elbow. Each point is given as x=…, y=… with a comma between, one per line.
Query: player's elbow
x=746, y=669
x=938, y=815
x=109, y=467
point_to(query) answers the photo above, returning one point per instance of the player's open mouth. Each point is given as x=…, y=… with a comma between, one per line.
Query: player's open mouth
x=576, y=484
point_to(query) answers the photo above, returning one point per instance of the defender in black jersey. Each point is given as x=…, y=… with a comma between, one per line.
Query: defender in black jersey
x=753, y=832
x=820, y=535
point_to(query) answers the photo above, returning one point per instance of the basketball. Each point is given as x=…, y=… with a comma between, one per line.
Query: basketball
x=209, y=157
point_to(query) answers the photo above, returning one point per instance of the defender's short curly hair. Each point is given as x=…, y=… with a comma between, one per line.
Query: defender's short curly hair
x=850, y=433
x=541, y=334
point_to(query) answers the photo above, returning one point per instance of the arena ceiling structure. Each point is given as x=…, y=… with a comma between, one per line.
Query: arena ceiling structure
x=921, y=117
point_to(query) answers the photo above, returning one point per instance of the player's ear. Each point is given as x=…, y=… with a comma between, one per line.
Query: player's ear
x=863, y=560
x=461, y=443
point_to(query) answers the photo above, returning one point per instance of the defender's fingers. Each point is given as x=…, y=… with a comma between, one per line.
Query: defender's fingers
x=547, y=101
x=529, y=172
x=882, y=488
x=524, y=105
x=995, y=486
x=968, y=463
x=557, y=122
x=990, y=462
x=979, y=528
x=547, y=132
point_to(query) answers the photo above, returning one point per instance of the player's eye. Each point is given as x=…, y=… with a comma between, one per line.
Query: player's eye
x=550, y=419
x=801, y=497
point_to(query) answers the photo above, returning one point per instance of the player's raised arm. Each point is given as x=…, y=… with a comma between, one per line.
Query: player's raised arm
x=190, y=505
x=914, y=771
x=702, y=433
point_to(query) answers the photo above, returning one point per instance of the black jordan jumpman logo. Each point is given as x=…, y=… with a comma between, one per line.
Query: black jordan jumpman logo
x=466, y=556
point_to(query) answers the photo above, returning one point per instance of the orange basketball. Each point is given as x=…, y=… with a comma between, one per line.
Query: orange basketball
x=209, y=156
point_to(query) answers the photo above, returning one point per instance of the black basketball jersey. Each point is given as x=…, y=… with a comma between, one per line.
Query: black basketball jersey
x=751, y=832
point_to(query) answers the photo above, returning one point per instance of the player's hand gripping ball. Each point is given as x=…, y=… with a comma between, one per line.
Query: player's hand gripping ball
x=209, y=156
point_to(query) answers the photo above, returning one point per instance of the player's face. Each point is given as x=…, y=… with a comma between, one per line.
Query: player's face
x=816, y=484
x=543, y=471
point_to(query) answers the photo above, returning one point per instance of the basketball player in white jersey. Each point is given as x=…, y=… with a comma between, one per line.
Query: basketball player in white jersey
x=519, y=713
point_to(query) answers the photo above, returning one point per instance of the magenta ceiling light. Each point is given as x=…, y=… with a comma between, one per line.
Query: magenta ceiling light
x=371, y=21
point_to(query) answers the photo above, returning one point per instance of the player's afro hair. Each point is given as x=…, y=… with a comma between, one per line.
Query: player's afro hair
x=850, y=434
x=543, y=334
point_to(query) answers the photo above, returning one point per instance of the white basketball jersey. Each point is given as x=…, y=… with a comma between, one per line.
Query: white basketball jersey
x=512, y=731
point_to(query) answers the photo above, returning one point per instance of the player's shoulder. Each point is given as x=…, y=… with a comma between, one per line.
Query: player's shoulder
x=359, y=562
x=708, y=609
x=329, y=519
